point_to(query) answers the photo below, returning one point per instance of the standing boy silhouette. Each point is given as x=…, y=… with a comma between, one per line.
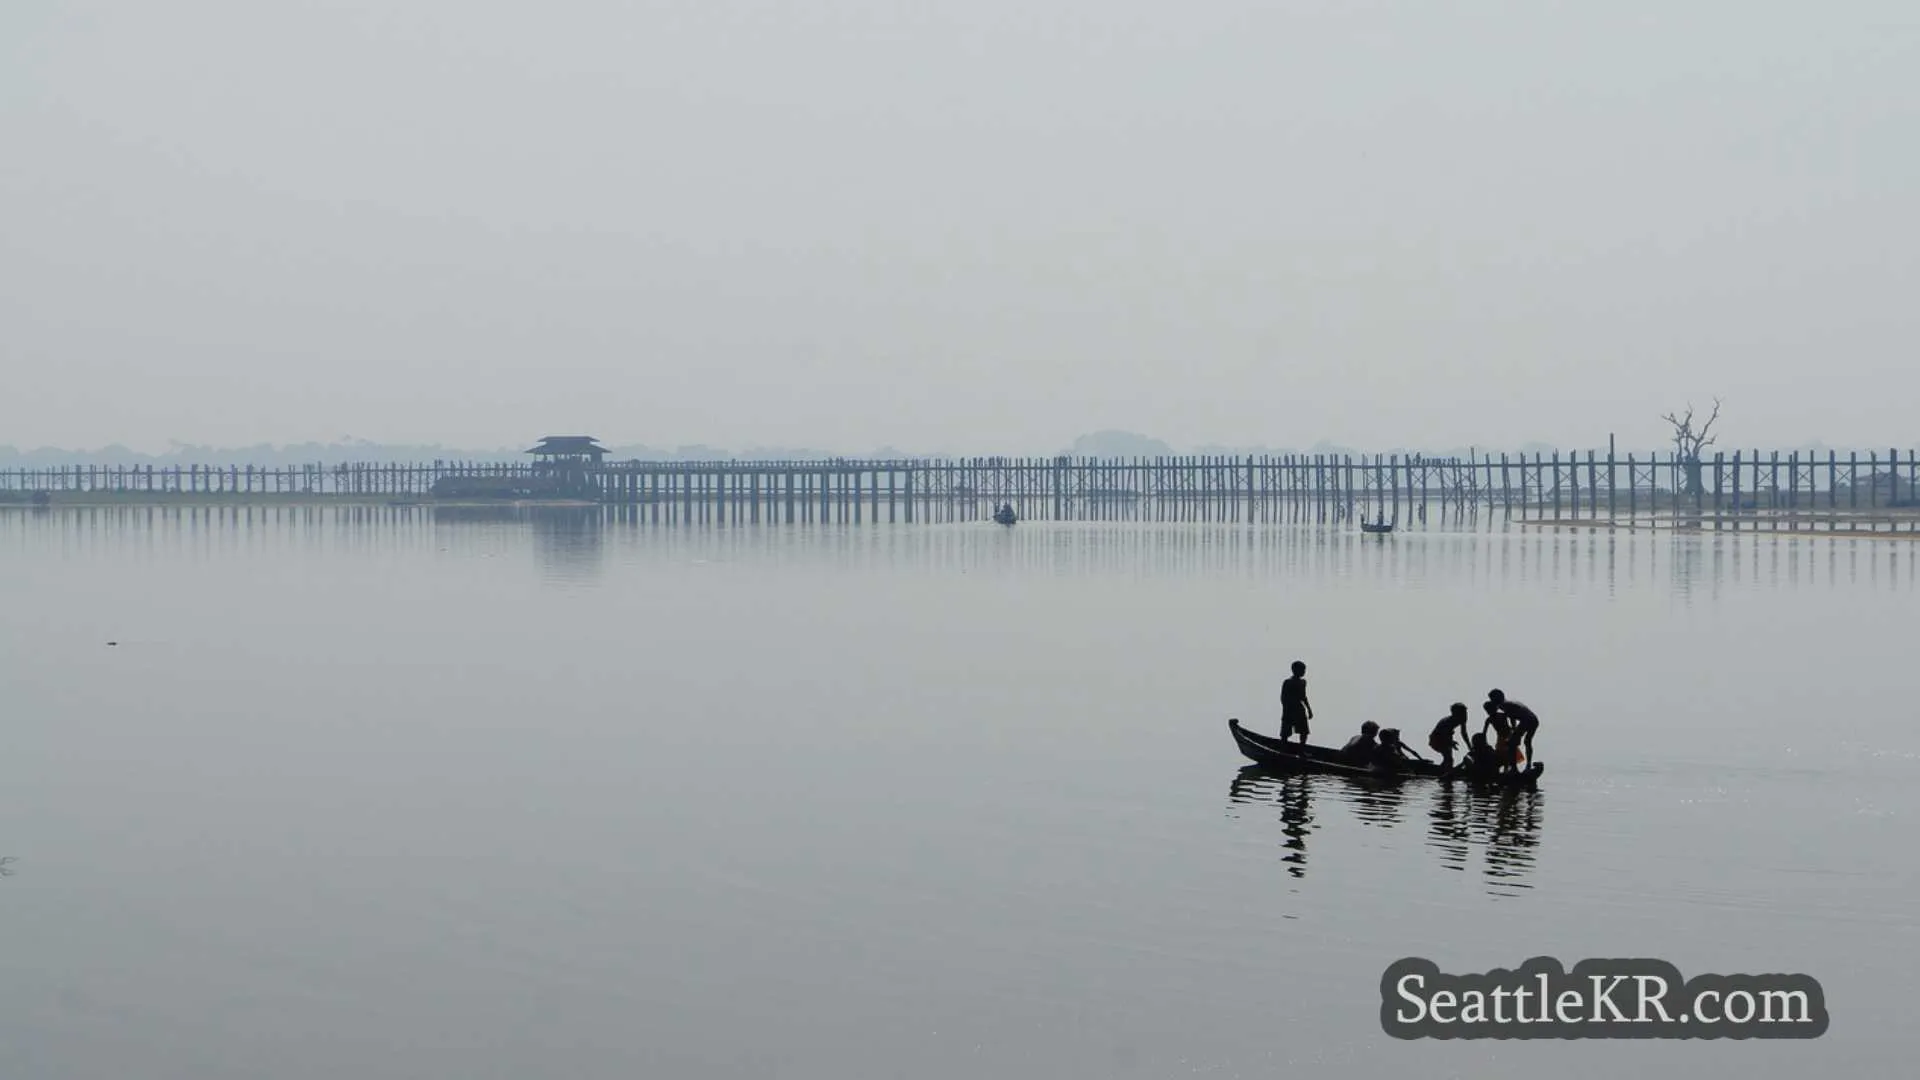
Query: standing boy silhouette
x=1295, y=710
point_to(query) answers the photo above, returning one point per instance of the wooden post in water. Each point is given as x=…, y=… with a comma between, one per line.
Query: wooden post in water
x=1393, y=482
x=1593, y=487
x=1323, y=482
x=1632, y=485
x=1346, y=468
x=1424, y=469
x=1554, y=482
x=1719, y=500
x=1251, y=500
x=1320, y=488
x=1739, y=507
x=1329, y=478
x=1913, y=486
x=1613, y=481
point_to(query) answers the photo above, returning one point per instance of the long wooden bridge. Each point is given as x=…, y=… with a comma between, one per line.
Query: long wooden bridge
x=1758, y=486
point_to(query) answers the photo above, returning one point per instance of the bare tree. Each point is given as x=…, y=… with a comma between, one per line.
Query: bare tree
x=1689, y=442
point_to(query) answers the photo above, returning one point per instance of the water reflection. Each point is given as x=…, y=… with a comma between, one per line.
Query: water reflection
x=568, y=541
x=1447, y=832
x=1376, y=803
x=1294, y=795
x=1505, y=823
x=1502, y=827
x=572, y=544
x=1497, y=555
x=1513, y=844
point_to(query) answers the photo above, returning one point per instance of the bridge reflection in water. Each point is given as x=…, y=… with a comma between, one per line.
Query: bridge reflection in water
x=574, y=543
x=1497, y=831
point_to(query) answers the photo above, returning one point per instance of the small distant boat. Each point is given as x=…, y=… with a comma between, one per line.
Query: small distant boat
x=1004, y=514
x=1376, y=526
x=1292, y=757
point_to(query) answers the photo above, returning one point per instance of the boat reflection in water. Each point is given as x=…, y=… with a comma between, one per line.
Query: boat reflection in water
x=1375, y=803
x=1293, y=793
x=1503, y=825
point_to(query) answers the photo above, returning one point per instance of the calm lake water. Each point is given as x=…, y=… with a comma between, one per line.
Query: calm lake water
x=385, y=793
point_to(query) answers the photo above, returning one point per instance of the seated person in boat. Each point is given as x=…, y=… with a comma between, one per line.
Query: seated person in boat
x=1392, y=752
x=1361, y=748
x=1442, y=741
x=1525, y=723
x=1481, y=761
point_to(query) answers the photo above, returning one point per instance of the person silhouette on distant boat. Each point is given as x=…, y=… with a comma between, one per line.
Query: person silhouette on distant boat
x=1453, y=725
x=1295, y=709
x=1361, y=748
x=1525, y=723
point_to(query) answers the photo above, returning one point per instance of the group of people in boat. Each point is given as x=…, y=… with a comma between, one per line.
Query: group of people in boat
x=1511, y=723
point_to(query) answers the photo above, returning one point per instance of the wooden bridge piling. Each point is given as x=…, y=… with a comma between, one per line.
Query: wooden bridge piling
x=1739, y=491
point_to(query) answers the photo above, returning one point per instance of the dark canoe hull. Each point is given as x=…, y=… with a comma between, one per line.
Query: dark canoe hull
x=1292, y=757
x=1364, y=527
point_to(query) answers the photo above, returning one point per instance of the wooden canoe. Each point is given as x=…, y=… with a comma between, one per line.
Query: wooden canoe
x=1292, y=757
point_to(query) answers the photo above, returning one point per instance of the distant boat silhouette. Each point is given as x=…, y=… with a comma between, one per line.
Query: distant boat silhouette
x=1004, y=514
x=1376, y=526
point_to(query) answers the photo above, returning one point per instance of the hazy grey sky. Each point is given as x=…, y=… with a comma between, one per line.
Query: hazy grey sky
x=985, y=225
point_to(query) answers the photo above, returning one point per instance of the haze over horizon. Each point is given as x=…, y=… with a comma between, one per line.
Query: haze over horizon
x=989, y=226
